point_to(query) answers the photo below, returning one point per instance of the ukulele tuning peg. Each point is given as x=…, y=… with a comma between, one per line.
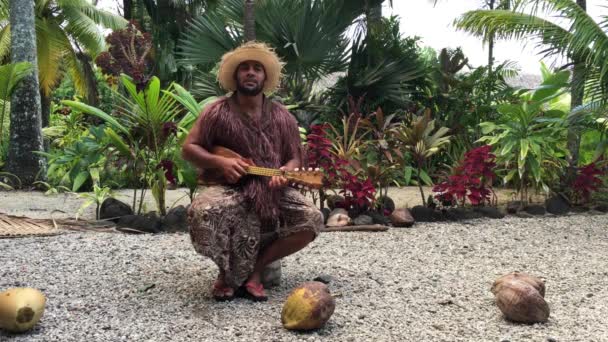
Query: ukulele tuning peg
x=317, y=169
x=310, y=169
x=296, y=169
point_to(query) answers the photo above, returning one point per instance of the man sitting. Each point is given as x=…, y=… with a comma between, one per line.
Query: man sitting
x=248, y=221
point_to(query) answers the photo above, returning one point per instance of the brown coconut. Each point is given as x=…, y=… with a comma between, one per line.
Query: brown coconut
x=537, y=283
x=520, y=301
x=309, y=306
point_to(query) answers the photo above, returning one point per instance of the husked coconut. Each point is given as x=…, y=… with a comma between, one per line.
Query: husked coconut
x=309, y=306
x=21, y=308
x=537, y=283
x=520, y=302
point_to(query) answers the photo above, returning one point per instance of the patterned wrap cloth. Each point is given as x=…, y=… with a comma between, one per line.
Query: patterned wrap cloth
x=230, y=224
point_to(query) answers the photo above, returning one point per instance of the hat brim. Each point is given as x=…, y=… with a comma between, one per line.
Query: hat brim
x=250, y=52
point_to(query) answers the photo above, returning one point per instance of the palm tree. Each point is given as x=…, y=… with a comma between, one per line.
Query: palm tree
x=26, y=125
x=67, y=37
x=249, y=20
x=312, y=40
x=578, y=37
x=165, y=20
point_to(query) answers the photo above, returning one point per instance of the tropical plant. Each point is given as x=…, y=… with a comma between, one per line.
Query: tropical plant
x=576, y=35
x=129, y=52
x=68, y=35
x=588, y=180
x=530, y=138
x=140, y=132
x=382, y=71
x=10, y=76
x=166, y=22
x=471, y=180
x=97, y=197
x=311, y=41
x=72, y=163
x=422, y=141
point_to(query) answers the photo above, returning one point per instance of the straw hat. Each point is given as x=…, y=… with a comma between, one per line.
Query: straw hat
x=250, y=51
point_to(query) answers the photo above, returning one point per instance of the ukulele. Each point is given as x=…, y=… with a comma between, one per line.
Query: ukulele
x=310, y=179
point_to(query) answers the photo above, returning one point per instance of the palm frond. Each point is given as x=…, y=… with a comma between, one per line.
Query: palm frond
x=5, y=41
x=206, y=40
x=98, y=16
x=10, y=75
x=51, y=47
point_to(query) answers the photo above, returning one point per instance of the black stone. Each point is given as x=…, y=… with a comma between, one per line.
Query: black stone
x=332, y=200
x=535, y=209
x=386, y=203
x=580, y=209
x=324, y=278
x=425, y=214
x=378, y=218
x=557, y=205
x=513, y=206
x=490, y=212
x=114, y=209
x=363, y=220
x=176, y=220
x=459, y=214
x=602, y=207
x=326, y=211
x=148, y=223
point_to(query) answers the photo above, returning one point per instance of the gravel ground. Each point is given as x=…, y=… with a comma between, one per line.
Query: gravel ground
x=426, y=283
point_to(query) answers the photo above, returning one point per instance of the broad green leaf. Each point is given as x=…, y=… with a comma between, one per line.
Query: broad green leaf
x=96, y=112
x=509, y=176
x=407, y=174
x=525, y=145
x=152, y=93
x=425, y=178
x=118, y=142
x=79, y=180
x=535, y=168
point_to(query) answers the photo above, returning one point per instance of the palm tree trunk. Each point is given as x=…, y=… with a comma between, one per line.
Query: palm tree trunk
x=490, y=43
x=127, y=7
x=577, y=95
x=26, y=121
x=249, y=20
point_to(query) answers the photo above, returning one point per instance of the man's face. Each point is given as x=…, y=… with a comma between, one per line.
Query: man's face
x=250, y=77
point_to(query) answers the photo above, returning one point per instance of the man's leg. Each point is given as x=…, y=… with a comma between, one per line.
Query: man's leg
x=278, y=249
x=301, y=223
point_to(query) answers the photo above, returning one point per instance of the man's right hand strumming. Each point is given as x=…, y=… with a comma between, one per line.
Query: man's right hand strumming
x=233, y=169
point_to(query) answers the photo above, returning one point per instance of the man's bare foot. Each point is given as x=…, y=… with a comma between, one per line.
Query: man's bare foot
x=221, y=291
x=253, y=288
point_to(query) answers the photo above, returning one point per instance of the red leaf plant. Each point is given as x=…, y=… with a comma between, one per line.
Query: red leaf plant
x=358, y=194
x=587, y=181
x=471, y=180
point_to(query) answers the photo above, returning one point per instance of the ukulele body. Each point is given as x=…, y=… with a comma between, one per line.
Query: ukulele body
x=214, y=176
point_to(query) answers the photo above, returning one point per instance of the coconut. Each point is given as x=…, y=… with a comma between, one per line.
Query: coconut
x=21, y=308
x=519, y=298
x=537, y=283
x=309, y=306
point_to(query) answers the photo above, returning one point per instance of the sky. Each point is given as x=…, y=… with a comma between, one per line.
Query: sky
x=433, y=24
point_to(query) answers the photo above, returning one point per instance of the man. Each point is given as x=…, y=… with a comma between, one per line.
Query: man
x=249, y=221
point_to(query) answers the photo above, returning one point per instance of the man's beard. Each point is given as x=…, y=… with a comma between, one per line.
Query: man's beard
x=249, y=91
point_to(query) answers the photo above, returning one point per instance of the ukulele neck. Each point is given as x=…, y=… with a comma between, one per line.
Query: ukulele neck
x=263, y=171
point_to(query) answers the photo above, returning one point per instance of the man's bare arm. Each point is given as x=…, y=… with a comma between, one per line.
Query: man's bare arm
x=192, y=151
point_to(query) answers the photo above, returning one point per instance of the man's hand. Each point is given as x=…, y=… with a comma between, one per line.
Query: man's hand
x=277, y=182
x=233, y=169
